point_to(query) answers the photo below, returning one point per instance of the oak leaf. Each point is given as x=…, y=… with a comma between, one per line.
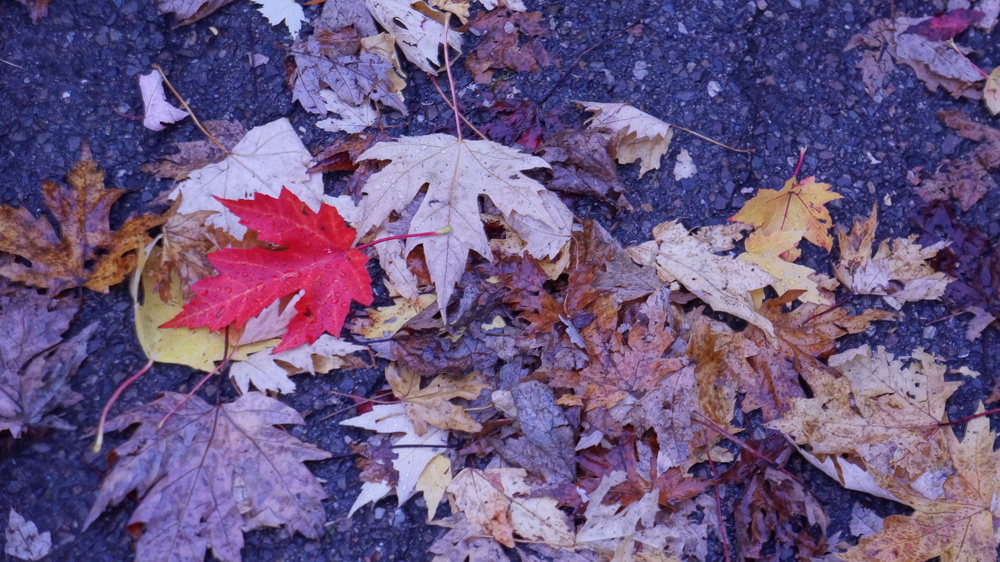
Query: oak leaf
x=81, y=212
x=35, y=362
x=899, y=272
x=268, y=159
x=211, y=474
x=637, y=134
x=723, y=282
x=316, y=258
x=432, y=404
x=455, y=173
x=798, y=206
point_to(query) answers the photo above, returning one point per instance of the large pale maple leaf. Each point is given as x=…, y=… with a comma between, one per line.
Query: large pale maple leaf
x=456, y=172
x=316, y=257
x=211, y=474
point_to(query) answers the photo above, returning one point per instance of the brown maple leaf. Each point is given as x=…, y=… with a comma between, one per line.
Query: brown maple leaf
x=88, y=253
x=35, y=363
x=211, y=474
x=193, y=155
x=509, y=40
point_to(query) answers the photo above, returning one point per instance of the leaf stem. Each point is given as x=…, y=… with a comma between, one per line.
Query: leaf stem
x=187, y=108
x=802, y=157
x=445, y=230
x=703, y=137
x=99, y=442
x=448, y=103
x=203, y=380
x=954, y=47
x=451, y=80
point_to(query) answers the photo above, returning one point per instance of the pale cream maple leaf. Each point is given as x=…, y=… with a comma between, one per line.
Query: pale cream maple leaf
x=723, y=282
x=268, y=159
x=898, y=271
x=638, y=135
x=158, y=110
x=269, y=371
x=455, y=173
x=288, y=12
x=413, y=452
x=419, y=36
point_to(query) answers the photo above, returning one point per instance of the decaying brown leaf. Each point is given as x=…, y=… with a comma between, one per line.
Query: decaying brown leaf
x=192, y=155
x=432, y=405
x=88, y=253
x=190, y=11
x=541, y=439
x=899, y=271
x=966, y=178
x=582, y=164
x=24, y=542
x=509, y=40
x=211, y=474
x=35, y=363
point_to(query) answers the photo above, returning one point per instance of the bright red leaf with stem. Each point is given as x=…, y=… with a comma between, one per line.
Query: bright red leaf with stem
x=315, y=255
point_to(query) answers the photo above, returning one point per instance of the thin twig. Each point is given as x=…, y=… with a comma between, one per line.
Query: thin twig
x=579, y=57
x=187, y=108
x=448, y=103
x=99, y=442
x=451, y=80
x=703, y=137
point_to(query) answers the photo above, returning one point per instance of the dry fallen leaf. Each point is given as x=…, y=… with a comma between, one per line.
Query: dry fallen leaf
x=271, y=372
x=192, y=155
x=190, y=11
x=417, y=33
x=158, y=111
x=24, y=542
x=638, y=135
x=797, y=207
x=966, y=178
x=268, y=159
x=87, y=253
x=723, y=282
x=35, y=362
x=508, y=40
x=432, y=405
x=899, y=271
x=211, y=474
x=455, y=173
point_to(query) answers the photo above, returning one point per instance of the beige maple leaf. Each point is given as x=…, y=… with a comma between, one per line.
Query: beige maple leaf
x=269, y=371
x=765, y=253
x=269, y=158
x=898, y=271
x=638, y=135
x=455, y=173
x=417, y=33
x=158, y=110
x=498, y=502
x=956, y=520
x=723, y=282
x=432, y=405
x=410, y=460
x=211, y=474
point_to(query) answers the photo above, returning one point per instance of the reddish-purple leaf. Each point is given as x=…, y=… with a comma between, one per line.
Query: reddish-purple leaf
x=944, y=26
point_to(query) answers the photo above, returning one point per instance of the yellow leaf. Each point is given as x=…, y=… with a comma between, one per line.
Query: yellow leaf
x=431, y=405
x=799, y=206
x=433, y=482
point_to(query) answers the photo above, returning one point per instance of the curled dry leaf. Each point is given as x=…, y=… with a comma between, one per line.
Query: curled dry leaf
x=419, y=33
x=158, y=111
x=269, y=371
x=88, y=253
x=211, y=474
x=35, y=362
x=637, y=135
x=899, y=271
x=432, y=405
x=723, y=282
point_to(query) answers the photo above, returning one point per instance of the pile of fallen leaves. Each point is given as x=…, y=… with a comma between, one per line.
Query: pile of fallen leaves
x=567, y=397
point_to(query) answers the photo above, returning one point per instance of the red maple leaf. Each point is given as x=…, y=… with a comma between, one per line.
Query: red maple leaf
x=315, y=256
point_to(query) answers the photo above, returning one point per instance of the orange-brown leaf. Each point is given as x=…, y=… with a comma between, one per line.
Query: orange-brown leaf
x=88, y=253
x=798, y=206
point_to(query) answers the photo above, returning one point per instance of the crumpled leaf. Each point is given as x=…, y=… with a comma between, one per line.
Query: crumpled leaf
x=410, y=462
x=81, y=212
x=723, y=282
x=431, y=405
x=268, y=159
x=637, y=135
x=969, y=177
x=419, y=33
x=158, y=111
x=545, y=445
x=35, y=362
x=582, y=164
x=267, y=371
x=899, y=271
x=316, y=258
x=497, y=501
x=211, y=474
x=934, y=62
x=508, y=40
x=24, y=542
x=455, y=173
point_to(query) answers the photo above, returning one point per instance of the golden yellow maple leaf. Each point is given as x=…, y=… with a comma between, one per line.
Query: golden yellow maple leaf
x=798, y=206
x=432, y=405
